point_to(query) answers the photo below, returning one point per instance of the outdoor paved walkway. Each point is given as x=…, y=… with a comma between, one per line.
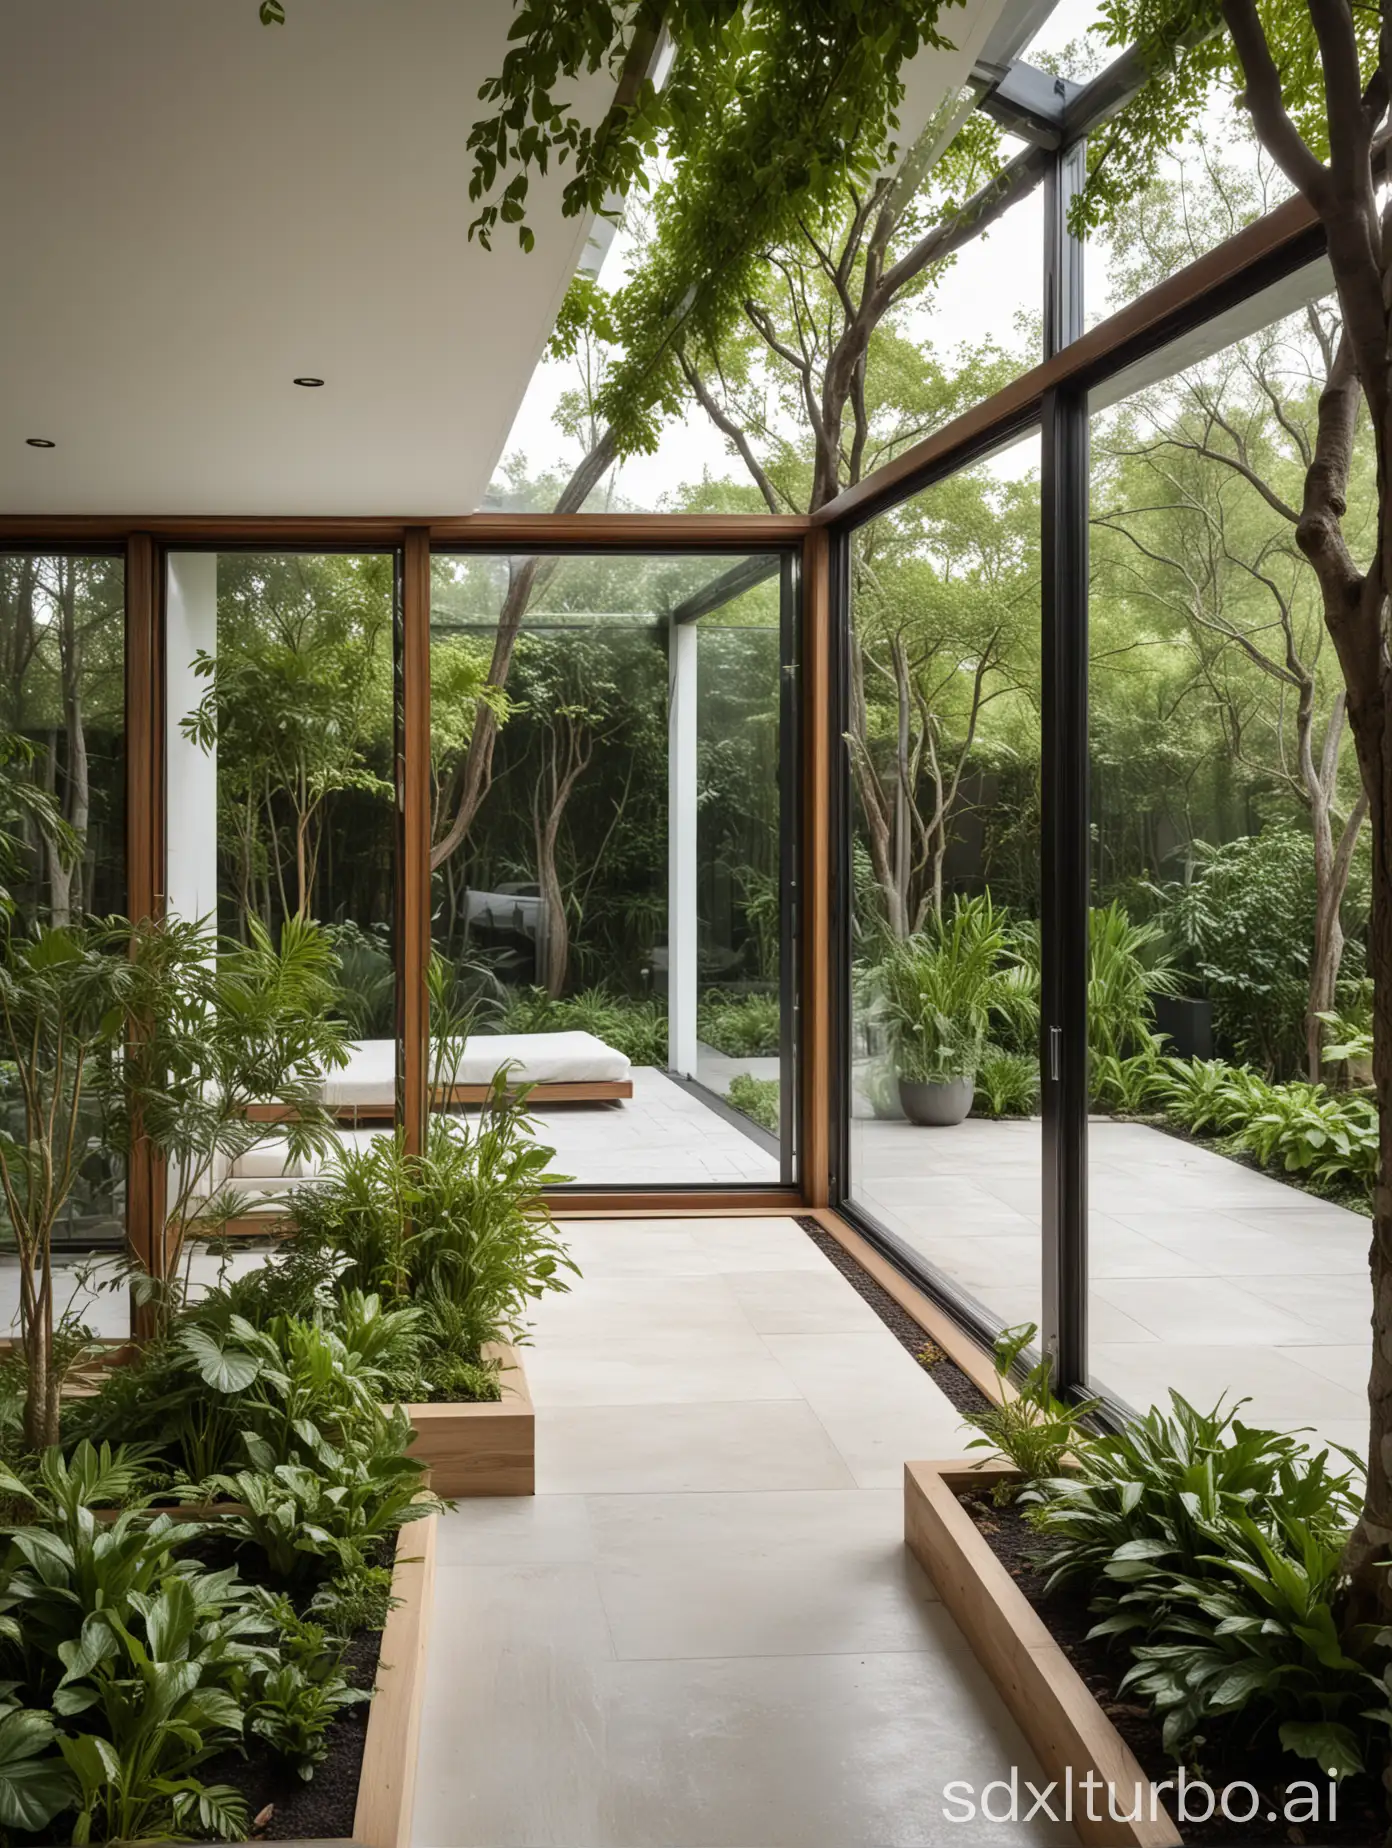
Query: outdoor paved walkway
x=1206, y=1275
x=704, y=1631
x=662, y=1136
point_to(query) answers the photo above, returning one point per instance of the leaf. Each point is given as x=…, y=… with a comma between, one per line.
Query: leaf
x=1333, y=1748
x=33, y=1789
x=225, y=1369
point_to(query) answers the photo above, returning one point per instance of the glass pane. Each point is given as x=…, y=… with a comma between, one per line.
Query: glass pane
x=944, y=755
x=606, y=836
x=1220, y=754
x=62, y=740
x=279, y=787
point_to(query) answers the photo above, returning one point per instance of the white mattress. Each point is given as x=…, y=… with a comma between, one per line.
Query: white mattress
x=369, y=1078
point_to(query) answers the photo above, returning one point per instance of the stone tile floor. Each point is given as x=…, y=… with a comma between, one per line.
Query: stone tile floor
x=662, y=1136
x=704, y=1630
x=1205, y=1275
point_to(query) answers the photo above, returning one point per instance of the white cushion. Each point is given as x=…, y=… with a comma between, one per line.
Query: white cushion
x=271, y=1160
x=369, y=1078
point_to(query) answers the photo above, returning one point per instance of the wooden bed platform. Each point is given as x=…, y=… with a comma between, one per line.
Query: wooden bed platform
x=582, y=1091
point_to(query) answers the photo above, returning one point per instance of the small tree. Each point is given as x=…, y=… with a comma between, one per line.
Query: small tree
x=64, y=996
x=229, y=1044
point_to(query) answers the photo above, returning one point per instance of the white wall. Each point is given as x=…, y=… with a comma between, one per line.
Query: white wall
x=190, y=772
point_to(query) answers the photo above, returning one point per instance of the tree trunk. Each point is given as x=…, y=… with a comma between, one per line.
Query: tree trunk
x=555, y=927
x=527, y=580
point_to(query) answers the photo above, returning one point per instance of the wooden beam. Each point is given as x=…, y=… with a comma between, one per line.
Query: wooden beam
x=413, y=870
x=817, y=724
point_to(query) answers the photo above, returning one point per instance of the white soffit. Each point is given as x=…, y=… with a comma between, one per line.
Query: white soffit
x=198, y=208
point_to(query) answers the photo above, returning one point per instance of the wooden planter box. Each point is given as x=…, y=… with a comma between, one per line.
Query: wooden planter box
x=1049, y=1700
x=481, y=1449
x=387, y=1783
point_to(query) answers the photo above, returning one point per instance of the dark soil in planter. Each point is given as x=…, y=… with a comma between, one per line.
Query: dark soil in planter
x=1362, y=1816
x=323, y=1808
x=945, y=1373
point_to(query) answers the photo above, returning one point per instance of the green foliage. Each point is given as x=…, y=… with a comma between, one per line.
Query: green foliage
x=66, y=995
x=1029, y=1427
x=1242, y=927
x=938, y=995
x=1213, y=1551
x=461, y=1233
x=769, y=111
x=1125, y=973
x=638, y=1029
x=1329, y=1139
x=742, y=1027
x=758, y=1099
x=1131, y=1085
x=1007, y=1084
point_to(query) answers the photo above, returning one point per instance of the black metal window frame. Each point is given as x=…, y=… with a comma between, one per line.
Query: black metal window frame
x=1061, y=415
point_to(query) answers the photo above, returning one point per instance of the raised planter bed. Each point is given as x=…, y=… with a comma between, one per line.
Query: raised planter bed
x=1048, y=1699
x=485, y=1449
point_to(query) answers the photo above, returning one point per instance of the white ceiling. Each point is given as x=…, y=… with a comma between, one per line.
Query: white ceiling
x=196, y=208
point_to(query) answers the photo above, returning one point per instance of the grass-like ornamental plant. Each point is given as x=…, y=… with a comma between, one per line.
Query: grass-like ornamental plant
x=1007, y=1084
x=938, y=994
x=743, y=1026
x=1030, y=1427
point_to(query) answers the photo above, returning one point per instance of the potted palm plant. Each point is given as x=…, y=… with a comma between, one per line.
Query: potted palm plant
x=937, y=995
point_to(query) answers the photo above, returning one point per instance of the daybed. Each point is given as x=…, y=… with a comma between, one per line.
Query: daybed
x=573, y=1068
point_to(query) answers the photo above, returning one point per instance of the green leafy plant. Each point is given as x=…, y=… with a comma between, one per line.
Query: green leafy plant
x=743, y=1027
x=757, y=1098
x=638, y=1029
x=1029, y=1427
x=936, y=995
x=1131, y=1085
x=1007, y=1084
x=1213, y=1551
x=1126, y=972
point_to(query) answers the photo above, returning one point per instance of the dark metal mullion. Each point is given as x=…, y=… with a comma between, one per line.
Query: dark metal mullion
x=790, y=910
x=1065, y=882
x=840, y=823
x=1065, y=871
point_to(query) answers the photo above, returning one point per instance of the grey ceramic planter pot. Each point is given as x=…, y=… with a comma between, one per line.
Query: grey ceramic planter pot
x=937, y=1106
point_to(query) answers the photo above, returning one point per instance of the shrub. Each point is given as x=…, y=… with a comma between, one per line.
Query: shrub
x=1125, y=973
x=1132, y=1085
x=756, y=1098
x=1328, y=1138
x=1213, y=1553
x=748, y=1027
x=1007, y=1084
x=938, y=994
x=638, y=1029
x=1243, y=927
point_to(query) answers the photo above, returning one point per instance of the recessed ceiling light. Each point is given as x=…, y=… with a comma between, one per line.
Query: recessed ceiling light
x=40, y=442
x=309, y=381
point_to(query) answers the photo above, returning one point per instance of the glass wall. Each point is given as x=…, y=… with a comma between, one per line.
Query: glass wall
x=63, y=797
x=1229, y=1004
x=943, y=763
x=607, y=823
x=280, y=792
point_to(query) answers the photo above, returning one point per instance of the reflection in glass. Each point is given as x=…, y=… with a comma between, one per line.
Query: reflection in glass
x=944, y=761
x=1229, y=996
x=607, y=828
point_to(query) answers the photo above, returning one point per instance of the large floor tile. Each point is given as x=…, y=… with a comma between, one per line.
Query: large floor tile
x=757, y=1245
x=800, y=1302
x=839, y=1751
x=637, y=1449
x=1193, y=1310
x=516, y=1530
x=649, y=1365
